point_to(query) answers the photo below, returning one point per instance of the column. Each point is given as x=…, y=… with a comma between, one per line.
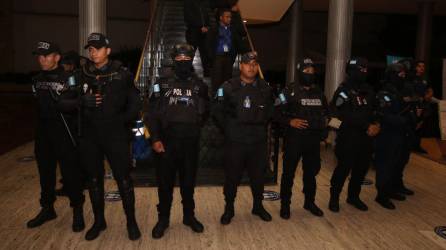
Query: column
x=424, y=30
x=92, y=18
x=295, y=49
x=339, y=42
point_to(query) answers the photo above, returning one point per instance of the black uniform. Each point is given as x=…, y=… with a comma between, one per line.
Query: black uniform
x=243, y=111
x=53, y=144
x=353, y=104
x=310, y=105
x=177, y=111
x=105, y=132
x=393, y=143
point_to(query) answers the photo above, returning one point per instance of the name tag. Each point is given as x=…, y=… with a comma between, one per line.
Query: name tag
x=311, y=102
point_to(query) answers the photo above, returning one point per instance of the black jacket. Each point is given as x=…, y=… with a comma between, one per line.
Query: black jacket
x=310, y=105
x=396, y=109
x=244, y=110
x=121, y=102
x=177, y=108
x=55, y=94
x=355, y=106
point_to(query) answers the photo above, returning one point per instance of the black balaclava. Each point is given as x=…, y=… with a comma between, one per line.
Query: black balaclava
x=307, y=79
x=355, y=76
x=393, y=77
x=183, y=69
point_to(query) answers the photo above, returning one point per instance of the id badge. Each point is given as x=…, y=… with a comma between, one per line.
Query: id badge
x=225, y=48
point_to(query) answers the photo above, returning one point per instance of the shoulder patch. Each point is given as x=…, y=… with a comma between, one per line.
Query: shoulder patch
x=339, y=101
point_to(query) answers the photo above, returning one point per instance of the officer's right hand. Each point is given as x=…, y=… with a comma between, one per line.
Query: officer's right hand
x=91, y=101
x=373, y=130
x=158, y=147
x=299, y=123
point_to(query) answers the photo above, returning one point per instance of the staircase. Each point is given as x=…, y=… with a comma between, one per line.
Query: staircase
x=168, y=29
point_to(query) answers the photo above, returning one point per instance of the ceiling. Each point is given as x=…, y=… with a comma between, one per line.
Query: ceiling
x=266, y=11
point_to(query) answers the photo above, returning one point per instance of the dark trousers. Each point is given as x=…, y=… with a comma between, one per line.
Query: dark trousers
x=306, y=147
x=388, y=155
x=181, y=156
x=115, y=146
x=354, y=153
x=196, y=38
x=53, y=145
x=241, y=156
x=221, y=70
x=403, y=159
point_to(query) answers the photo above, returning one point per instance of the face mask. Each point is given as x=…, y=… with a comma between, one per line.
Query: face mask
x=308, y=79
x=397, y=80
x=183, y=69
x=357, y=77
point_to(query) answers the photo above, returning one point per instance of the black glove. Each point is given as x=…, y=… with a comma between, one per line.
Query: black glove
x=88, y=100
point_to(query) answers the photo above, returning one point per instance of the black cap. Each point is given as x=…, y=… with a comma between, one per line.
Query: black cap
x=46, y=48
x=183, y=49
x=248, y=57
x=305, y=63
x=358, y=62
x=97, y=40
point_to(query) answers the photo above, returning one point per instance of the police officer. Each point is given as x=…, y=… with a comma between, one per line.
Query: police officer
x=110, y=102
x=303, y=112
x=177, y=110
x=243, y=109
x=353, y=106
x=392, y=145
x=57, y=100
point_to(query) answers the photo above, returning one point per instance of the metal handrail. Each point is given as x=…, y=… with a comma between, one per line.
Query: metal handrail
x=149, y=62
x=251, y=44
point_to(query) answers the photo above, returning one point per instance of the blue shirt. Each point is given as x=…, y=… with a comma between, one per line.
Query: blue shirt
x=224, y=40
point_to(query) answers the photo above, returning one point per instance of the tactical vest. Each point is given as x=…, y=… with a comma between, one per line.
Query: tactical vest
x=309, y=105
x=249, y=104
x=180, y=101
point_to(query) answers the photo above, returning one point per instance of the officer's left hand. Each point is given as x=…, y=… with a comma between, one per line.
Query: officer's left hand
x=158, y=146
x=373, y=130
x=204, y=29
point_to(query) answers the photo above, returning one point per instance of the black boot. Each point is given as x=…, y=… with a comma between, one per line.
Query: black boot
x=285, y=211
x=47, y=213
x=315, y=210
x=405, y=191
x=128, y=202
x=193, y=223
x=96, y=191
x=260, y=211
x=357, y=203
x=384, y=201
x=397, y=196
x=333, y=204
x=78, y=219
x=228, y=214
x=160, y=227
